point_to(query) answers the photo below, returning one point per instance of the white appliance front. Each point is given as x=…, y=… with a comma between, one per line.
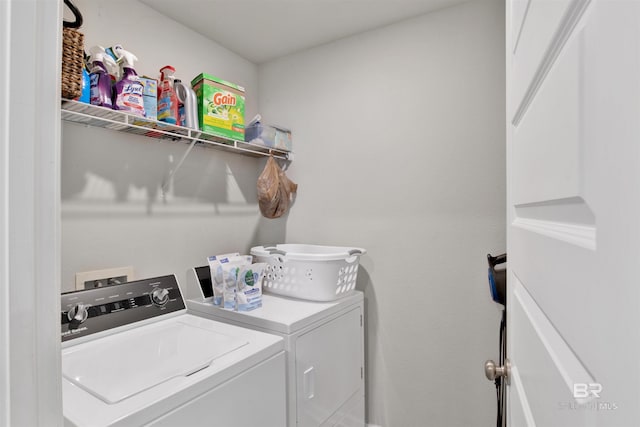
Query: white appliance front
x=175, y=369
x=324, y=342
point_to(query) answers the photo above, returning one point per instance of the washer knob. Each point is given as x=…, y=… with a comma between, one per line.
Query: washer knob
x=78, y=314
x=160, y=296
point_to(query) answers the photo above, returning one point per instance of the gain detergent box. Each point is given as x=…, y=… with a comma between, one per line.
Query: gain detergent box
x=220, y=106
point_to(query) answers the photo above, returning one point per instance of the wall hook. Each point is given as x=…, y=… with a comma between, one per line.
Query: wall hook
x=76, y=13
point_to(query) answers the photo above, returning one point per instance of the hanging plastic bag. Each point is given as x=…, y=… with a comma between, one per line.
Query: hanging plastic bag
x=287, y=189
x=274, y=190
x=268, y=184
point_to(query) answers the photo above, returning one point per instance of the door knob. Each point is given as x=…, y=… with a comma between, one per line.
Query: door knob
x=492, y=371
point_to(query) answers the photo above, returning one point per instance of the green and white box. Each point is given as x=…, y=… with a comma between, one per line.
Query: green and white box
x=220, y=106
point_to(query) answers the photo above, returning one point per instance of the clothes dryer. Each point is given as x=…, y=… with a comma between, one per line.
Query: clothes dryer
x=324, y=343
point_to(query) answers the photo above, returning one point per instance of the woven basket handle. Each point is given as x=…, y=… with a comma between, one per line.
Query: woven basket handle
x=78, y=22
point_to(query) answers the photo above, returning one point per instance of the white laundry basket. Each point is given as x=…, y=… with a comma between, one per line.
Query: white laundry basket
x=311, y=272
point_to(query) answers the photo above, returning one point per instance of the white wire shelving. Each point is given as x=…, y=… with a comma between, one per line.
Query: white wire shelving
x=91, y=115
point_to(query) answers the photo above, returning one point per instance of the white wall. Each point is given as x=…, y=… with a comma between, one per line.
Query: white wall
x=399, y=146
x=113, y=211
x=399, y=141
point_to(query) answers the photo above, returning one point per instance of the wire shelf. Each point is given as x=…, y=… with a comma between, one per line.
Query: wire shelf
x=92, y=115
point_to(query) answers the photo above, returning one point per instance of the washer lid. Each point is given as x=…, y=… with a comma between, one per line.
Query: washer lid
x=122, y=365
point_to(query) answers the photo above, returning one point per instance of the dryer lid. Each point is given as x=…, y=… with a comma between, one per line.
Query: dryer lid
x=124, y=364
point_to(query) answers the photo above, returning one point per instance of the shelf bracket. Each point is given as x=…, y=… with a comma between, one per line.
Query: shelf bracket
x=167, y=181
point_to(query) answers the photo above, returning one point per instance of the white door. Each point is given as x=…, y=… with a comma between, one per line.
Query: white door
x=573, y=242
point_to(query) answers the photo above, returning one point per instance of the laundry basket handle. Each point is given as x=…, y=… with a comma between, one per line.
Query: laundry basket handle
x=275, y=251
x=355, y=252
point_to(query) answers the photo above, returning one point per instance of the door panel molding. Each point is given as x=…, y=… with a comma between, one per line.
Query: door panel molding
x=569, y=366
x=569, y=21
x=573, y=210
x=518, y=16
x=524, y=417
x=547, y=142
x=546, y=366
x=579, y=235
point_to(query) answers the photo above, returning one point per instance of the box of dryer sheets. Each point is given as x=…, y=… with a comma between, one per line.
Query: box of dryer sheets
x=270, y=136
x=150, y=97
x=220, y=106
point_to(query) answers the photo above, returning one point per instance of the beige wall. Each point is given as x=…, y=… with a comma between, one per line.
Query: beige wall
x=399, y=141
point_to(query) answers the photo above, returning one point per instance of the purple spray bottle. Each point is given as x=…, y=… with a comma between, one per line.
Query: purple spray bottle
x=128, y=91
x=99, y=77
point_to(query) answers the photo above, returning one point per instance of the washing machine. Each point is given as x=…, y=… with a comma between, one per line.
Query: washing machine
x=324, y=343
x=133, y=356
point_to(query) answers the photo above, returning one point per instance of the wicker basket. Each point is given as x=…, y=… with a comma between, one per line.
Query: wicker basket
x=72, y=62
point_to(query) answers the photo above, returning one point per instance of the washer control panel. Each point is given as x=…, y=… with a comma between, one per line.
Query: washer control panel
x=95, y=310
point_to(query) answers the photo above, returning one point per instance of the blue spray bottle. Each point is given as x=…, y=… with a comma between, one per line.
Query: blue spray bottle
x=85, y=96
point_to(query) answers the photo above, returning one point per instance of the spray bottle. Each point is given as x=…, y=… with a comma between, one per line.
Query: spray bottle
x=167, y=99
x=100, y=79
x=112, y=68
x=128, y=91
x=85, y=96
x=188, y=105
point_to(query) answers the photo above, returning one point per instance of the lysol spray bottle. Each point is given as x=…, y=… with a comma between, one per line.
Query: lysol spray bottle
x=128, y=91
x=99, y=77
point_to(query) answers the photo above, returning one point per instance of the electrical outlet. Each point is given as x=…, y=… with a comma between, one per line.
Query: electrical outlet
x=101, y=278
